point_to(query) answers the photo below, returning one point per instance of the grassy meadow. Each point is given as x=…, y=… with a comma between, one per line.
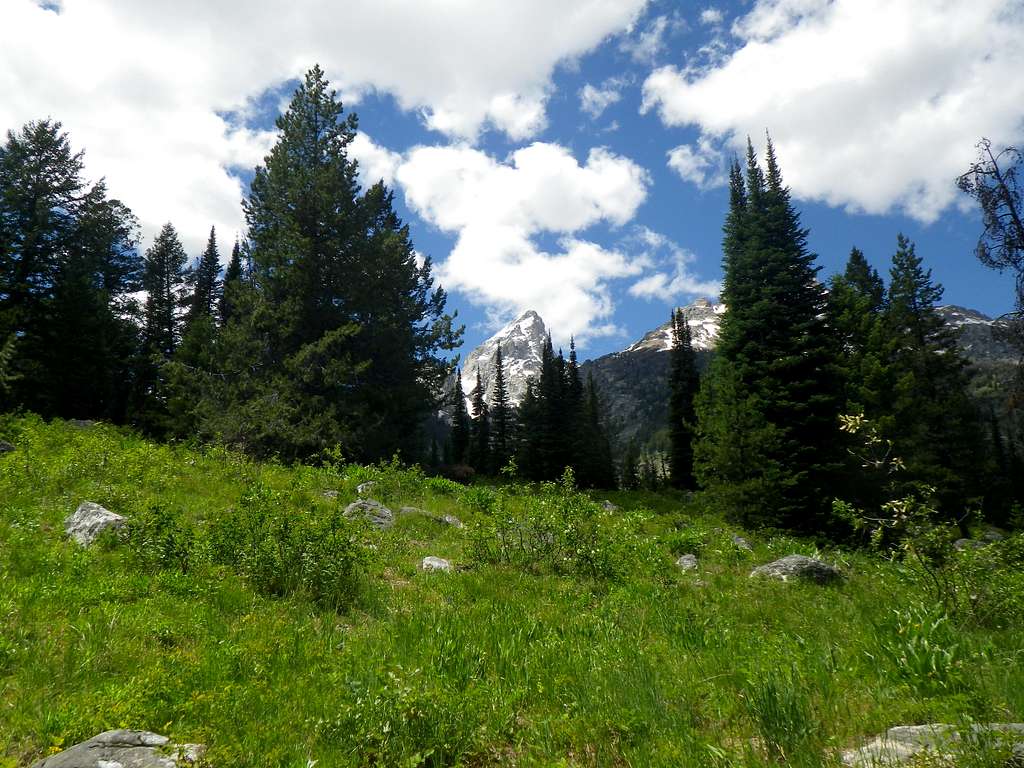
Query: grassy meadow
x=241, y=610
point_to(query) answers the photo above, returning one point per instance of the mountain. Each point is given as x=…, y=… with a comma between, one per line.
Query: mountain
x=522, y=343
x=633, y=382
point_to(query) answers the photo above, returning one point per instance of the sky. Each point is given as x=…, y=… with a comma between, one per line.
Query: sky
x=566, y=157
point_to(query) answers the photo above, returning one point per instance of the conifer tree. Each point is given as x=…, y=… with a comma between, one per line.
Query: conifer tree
x=480, y=429
x=205, y=281
x=232, y=283
x=501, y=416
x=162, y=279
x=594, y=466
x=530, y=420
x=460, y=423
x=776, y=371
x=683, y=384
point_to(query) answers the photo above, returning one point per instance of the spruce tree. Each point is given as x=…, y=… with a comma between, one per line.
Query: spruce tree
x=480, y=429
x=777, y=371
x=594, y=466
x=460, y=423
x=530, y=420
x=163, y=277
x=204, y=279
x=683, y=384
x=232, y=284
x=501, y=416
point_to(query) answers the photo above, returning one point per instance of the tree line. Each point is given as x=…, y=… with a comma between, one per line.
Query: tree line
x=324, y=331
x=760, y=432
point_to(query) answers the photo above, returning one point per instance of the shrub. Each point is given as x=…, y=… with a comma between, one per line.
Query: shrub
x=560, y=530
x=923, y=645
x=158, y=538
x=283, y=551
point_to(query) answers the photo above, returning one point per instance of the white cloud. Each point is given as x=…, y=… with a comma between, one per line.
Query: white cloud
x=594, y=100
x=645, y=47
x=677, y=280
x=700, y=163
x=376, y=163
x=144, y=86
x=873, y=105
x=711, y=17
x=498, y=209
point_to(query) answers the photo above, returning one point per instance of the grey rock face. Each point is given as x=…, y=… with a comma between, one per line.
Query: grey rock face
x=903, y=743
x=522, y=343
x=5, y=447
x=364, y=489
x=798, y=567
x=372, y=511
x=125, y=749
x=87, y=522
x=687, y=562
x=432, y=563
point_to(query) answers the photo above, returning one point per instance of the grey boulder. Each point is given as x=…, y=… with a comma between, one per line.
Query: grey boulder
x=963, y=544
x=90, y=520
x=905, y=743
x=375, y=513
x=798, y=567
x=5, y=447
x=607, y=506
x=125, y=749
x=741, y=543
x=687, y=562
x=364, y=489
x=432, y=563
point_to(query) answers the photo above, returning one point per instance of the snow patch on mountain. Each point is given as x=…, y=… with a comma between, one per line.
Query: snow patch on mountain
x=522, y=344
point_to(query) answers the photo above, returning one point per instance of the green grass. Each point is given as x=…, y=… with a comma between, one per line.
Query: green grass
x=551, y=661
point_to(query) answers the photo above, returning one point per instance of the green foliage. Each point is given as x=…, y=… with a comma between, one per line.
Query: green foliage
x=282, y=552
x=779, y=704
x=922, y=646
x=683, y=384
x=158, y=538
x=559, y=530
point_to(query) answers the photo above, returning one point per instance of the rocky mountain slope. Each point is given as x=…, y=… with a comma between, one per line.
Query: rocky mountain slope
x=633, y=382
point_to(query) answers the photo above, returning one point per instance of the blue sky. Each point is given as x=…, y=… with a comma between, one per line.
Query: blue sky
x=560, y=157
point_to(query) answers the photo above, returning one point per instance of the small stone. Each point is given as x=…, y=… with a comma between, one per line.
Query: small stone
x=372, y=511
x=87, y=522
x=125, y=749
x=330, y=494
x=364, y=489
x=742, y=543
x=964, y=544
x=451, y=520
x=82, y=423
x=607, y=506
x=5, y=447
x=798, y=567
x=432, y=563
x=687, y=562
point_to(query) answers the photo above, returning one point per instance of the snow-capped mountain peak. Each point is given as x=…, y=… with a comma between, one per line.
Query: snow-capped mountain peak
x=522, y=344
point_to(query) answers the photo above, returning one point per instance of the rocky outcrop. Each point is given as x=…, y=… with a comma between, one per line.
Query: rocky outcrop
x=375, y=513
x=792, y=567
x=906, y=743
x=365, y=489
x=90, y=520
x=125, y=749
x=432, y=563
x=522, y=344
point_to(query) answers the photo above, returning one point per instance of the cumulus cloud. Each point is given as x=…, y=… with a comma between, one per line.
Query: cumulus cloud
x=873, y=105
x=594, y=100
x=676, y=281
x=376, y=163
x=700, y=163
x=497, y=210
x=153, y=90
x=645, y=46
x=711, y=17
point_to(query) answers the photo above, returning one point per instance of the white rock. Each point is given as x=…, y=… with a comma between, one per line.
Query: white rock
x=87, y=522
x=432, y=563
x=687, y=562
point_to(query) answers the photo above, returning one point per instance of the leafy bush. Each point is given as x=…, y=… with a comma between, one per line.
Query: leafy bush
x=282, y=550
x=560, y=530
x=442, y=485
x=158, y=538
x=923, y=645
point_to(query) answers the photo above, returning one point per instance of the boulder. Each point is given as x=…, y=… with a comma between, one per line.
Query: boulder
x=432, y=563
x=991, y=533
x=608, y=506
x=5, y=447
x=904, y=743
x=798, y=567
x=961, y=544
x=372, y=511
x=87, y=522
x=742, y=543
x=365, y=489
x=687, y=562
x=82, y=423
x=330, y=494
x=125, y=749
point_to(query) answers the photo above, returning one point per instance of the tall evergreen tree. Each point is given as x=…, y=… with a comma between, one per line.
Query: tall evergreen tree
x=460, y=422
x=593, y=463
x=162, y=279
x=232, y=283
x=501, y=416
x=682, y=388
x=480, y=429
x=777, y=372
x=205, y=281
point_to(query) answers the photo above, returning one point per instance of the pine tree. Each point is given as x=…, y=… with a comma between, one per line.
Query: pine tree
x=594, y=466
x=480, y=429
x=683, y=384
x=163, y=278
x=530, y=420
x=501, y=416
x=232, y=284
x=777, y=373
x=929, y=417
x=460, y=423
x=205, y=281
